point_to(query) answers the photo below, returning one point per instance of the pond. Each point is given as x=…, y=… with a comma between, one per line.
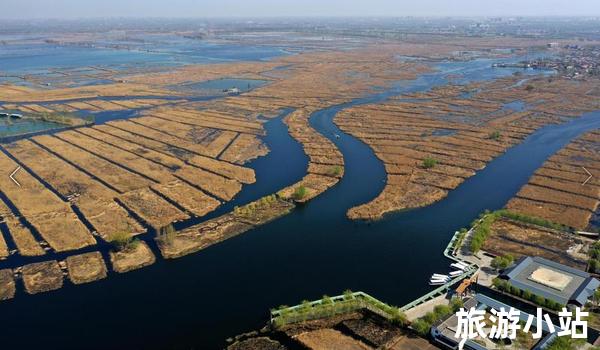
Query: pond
x=11, y=127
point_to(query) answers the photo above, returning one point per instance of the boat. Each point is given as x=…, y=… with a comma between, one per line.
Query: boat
x=459, y=266
x=3, y=115
x=16, y=116
x=432, y=283
x=438, y=281
x=456, y=273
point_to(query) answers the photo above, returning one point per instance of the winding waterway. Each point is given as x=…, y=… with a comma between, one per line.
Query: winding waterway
x=197, y=301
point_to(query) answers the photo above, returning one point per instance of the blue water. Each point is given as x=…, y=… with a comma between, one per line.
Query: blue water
x=30, y=58
x=197, y=301
x=10, y=127
x=243, y=85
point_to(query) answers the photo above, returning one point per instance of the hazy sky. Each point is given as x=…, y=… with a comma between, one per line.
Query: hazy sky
x=253, y=8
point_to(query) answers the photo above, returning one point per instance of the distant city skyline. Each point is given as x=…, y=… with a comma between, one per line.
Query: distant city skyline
x=70, y=9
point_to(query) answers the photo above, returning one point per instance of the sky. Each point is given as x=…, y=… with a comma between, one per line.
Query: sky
x=16, y=9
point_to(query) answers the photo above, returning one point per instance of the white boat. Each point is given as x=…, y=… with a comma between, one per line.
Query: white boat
x=458, y=266
x=436, y=283
x=439, y=279
x=438, y=275
x=456, y=273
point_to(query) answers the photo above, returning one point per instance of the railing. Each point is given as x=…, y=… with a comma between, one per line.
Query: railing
x=331, y=306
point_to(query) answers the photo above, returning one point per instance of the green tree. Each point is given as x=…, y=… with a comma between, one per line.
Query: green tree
x=594, y=265
x=502, y=262
x=429, y=163
x=167, y=234
x=596, y=296
x=299, y=193
x=456, y=304
x=120, y=240
x=495, y=135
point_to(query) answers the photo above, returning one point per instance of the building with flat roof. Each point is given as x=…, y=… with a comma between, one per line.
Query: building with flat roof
x=551, y=280
x=444, y=332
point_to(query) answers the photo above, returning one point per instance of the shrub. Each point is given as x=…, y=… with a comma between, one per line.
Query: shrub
x=502, y=262
x=481, y=232
x=167, y=234
x=538, y=299
x=335, y=170
x=398, y=317
x=442, y=311
x=299, y=192
x=552, y=305
x=515, y=291
x=566, y=343
x=429, y=163
x=529, y=87
x=120, y=240
x=456, y=304
x=530, y=220
x=430, y=318
x=421, y=327
x=594, y=265
x=501, y=284
x=305, y=306
x=495, y=135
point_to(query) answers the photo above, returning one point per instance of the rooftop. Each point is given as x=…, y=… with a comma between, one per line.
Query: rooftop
x=551, y=280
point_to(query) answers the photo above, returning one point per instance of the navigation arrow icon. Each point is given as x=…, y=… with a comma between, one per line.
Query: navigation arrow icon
x=589, y=178
x=12, y=178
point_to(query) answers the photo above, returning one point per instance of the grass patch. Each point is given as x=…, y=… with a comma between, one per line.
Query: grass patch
x=429, y=163
x=335, y=170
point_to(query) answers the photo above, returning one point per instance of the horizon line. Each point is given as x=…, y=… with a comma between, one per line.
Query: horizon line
x=317, y=16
